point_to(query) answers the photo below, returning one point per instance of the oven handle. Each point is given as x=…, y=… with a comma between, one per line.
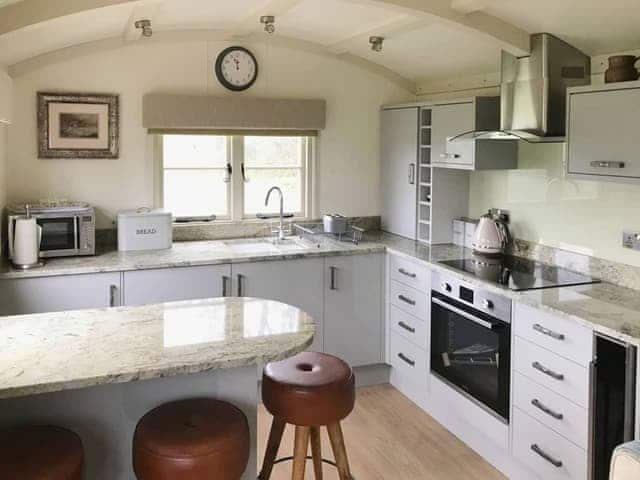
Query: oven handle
x=462, y=313
x=76, y=240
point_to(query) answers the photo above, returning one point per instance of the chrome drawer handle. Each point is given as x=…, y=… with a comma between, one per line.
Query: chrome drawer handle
x=406, y=327
x=541, y=368
x=546, y=456
x=404, y=272
x=407, y=300
x=599, y=164
x=550, y=333
x=536, y=403
x=449, y=155
x=406, y=359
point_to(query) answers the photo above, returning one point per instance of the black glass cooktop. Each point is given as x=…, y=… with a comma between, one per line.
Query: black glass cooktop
x=518, y=273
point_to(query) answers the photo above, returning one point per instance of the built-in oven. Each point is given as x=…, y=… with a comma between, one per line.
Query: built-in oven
x=67, y=229
x=471, y=342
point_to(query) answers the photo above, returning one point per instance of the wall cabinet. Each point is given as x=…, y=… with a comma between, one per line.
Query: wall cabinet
x=297, y=282
x=602, y=131
x=55, y=294
x=143, y=287
x=353, y=296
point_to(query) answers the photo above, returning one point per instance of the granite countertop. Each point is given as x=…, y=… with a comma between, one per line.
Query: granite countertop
x=60, y=351
x=610, y=309
x=184, y=254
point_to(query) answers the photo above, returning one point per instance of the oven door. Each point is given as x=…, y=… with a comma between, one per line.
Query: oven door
x=471, y=351
x=60, y=235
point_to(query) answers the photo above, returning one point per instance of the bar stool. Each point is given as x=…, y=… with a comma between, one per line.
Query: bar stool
x=40, y=452
x=310, y=390
x=193, y=439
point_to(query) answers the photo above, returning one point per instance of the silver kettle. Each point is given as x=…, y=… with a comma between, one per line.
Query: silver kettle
x=492, y=236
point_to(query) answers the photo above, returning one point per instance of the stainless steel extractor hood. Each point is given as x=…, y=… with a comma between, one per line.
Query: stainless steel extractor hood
x=533, y=90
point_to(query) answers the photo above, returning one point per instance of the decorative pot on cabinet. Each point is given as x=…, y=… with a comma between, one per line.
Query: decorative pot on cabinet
x=622, y=69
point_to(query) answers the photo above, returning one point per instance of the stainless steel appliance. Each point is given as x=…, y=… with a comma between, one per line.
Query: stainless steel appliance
x=533, y=90
x=334, y=223
x=518, y=274
x=68, y=228
x=471, y=342
x=613, y=381
x=492, y=236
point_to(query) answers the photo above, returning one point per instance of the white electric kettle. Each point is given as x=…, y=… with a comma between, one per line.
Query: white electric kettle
x=492, y=235
x=25, y=242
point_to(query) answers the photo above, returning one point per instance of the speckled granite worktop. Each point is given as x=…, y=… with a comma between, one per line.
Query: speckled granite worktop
x=60, y=351
x=610, y=309
x=184, y=254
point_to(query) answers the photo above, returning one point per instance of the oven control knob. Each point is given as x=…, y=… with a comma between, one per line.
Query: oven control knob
x=488, y=304
x=446, y=287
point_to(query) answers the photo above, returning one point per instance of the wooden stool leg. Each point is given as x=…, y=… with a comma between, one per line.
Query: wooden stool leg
x=275, y=437
x=339, y=451
x=316, y=452
x=300, y=452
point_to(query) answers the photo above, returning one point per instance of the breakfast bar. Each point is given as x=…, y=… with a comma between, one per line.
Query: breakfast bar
x=97, y=372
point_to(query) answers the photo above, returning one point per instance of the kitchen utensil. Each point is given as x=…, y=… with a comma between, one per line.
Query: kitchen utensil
x=492, y=234
x=145, y=229
x=25, y=242
x=622, y=69
x=334, y=223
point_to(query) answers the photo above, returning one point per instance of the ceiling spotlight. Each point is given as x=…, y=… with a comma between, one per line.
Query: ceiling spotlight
x=376, y=43
x=269, y=23
x=145, y=26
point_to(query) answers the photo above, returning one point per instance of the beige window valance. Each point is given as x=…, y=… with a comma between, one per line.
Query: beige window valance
x=165, y=113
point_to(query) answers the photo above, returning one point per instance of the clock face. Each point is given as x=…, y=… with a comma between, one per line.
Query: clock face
x=236, y=68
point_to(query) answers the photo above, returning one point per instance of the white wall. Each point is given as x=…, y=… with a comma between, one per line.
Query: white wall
x=5, y=113
x=348, y=149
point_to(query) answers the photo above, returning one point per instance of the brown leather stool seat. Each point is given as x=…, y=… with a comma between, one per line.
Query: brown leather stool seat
x=40, y=452
x=193, y=439
x=310, y=390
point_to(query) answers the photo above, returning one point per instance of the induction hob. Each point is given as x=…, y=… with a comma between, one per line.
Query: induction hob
x=519, y=274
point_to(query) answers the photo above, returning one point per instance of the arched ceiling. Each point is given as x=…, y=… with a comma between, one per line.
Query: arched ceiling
x=425, y=40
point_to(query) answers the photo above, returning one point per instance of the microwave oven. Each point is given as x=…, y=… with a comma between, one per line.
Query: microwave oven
x=68, y=228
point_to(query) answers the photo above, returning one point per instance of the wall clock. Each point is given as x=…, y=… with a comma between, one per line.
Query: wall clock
x=236, y=68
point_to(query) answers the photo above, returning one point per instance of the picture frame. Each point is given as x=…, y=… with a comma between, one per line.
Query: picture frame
x=72, y=125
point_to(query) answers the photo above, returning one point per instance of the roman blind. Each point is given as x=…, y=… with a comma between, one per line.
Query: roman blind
x=232, y=115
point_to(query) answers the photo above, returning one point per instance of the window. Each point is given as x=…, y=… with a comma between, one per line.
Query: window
x=229, y=176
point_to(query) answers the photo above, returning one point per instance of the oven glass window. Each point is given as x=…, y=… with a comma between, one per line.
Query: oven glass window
x=57, y=233
x=473, y=356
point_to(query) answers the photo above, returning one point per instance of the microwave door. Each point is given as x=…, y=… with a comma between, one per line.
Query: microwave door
x=59, y=235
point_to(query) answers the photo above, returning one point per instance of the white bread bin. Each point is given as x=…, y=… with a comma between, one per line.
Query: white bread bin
x=144, y=229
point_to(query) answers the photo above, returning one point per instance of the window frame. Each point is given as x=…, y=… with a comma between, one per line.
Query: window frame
x=235, y=190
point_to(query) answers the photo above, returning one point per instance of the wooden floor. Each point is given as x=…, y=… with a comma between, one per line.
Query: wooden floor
x=389, y=438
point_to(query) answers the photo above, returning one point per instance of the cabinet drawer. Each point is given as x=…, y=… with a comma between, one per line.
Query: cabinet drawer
x=408, y=368
x=408, y=272
x=560, y=375
x=564, y=337
x=546, y=453
x=408, y=299
x=410, y=327
x=556, y=412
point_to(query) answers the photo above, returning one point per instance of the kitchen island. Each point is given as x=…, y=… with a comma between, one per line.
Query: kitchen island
x=84, y=369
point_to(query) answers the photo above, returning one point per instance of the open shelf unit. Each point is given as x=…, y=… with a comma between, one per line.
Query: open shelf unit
x=425, y=176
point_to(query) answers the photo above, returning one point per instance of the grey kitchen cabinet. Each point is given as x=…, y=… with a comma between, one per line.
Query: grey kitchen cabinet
x=602, y=131
x=59, y=293
x=353, y=306
x=448, y=121
x=143, y=287
x=295, y=282
x=399, y=153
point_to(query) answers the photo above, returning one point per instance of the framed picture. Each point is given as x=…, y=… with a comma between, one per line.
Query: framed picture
x=78, y=125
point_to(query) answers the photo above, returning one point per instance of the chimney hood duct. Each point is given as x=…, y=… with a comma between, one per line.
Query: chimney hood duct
x=533, y=91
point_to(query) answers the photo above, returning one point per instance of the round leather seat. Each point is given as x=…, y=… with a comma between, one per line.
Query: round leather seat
x=191, y=439
x=40, y=452
x=309, y=389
